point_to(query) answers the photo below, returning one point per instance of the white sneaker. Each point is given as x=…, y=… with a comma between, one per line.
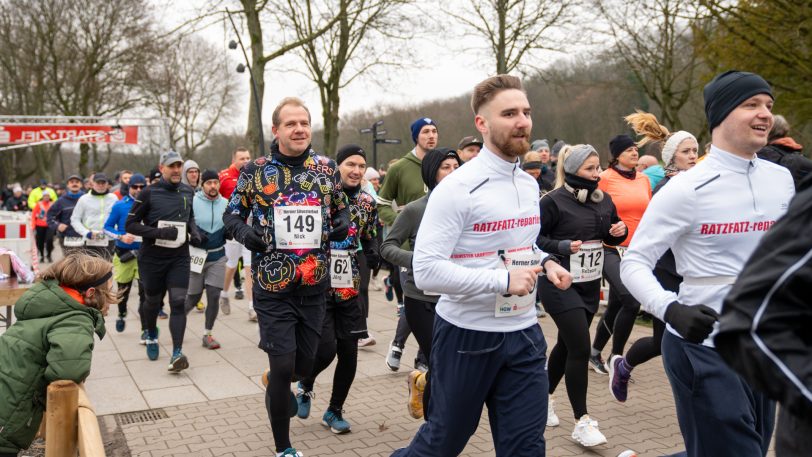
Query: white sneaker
x=366, y=342
x=225, y=305
x=375, y=284
x=552, y=417
x=252, y=315
x=586, y=432
x=393, y=357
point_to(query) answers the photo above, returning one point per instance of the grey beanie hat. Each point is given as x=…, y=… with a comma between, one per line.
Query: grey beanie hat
x=576, y=157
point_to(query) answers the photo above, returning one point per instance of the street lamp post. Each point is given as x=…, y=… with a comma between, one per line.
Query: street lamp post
x=376, y=139
x=241, y=69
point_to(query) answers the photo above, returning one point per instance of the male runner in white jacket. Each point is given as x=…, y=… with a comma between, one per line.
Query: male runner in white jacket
x=475, y=246
x=712, y=217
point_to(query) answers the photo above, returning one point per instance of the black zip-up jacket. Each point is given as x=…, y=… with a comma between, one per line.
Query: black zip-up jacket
x=565, y=219
x=60, y=213
x=798, y=165
x=764, y=329
x=162, y=201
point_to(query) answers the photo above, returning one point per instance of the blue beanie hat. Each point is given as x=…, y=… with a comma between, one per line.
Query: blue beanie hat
x=419, y=124
x=138, y=178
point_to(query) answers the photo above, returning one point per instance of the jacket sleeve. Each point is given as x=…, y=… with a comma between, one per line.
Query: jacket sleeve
x=135, y=218
x=239, y=204
x=446, y=214
x=549, y=219
x=53, y=214
x=387, y=195
x=77, y=215
x=614, y=219
x=32, y=198
x=766, y=317
x=111, y=224
x=399, y=233
x=70, y=346
x=667, y=217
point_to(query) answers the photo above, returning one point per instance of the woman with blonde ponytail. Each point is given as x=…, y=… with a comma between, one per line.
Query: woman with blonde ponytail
x=679, y=153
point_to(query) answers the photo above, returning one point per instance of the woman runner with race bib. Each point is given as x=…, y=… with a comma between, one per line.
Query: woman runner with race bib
x=576, y=220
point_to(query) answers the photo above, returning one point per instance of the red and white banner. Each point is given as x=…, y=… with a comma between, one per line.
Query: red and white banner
x=21, y=133
x=13, y=230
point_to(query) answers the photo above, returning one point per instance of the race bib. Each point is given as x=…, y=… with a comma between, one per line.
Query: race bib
x=197, y=259
x=297, y=227
x=137, y=239
x=177, y=242
x=340, y=269
x=587, y=264
x=514, y=305
x=73, y=241
x=98, y=239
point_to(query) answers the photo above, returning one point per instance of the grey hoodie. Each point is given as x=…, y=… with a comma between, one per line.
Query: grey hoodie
x=188, y=165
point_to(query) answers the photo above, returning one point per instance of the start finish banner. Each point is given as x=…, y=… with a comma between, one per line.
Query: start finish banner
x=78, y=133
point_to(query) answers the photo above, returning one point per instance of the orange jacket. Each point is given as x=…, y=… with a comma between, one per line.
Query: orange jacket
x=40, y=212
x=630, y=197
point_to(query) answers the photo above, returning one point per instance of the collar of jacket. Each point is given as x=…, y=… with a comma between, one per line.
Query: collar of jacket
x=731, y=161
x=498, y=164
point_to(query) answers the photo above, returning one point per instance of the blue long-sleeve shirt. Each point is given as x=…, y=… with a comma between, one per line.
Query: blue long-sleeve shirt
x=114, y=225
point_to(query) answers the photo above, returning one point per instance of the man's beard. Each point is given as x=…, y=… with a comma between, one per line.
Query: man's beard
x=212, y=193
x=507, y=146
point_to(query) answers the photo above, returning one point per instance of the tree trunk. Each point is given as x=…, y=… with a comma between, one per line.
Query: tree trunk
x=330, y=117
x=84, y=148
x=253, y=132
x=501, y=54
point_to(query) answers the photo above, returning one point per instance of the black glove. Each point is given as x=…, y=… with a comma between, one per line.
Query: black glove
x=251, y=238
x=198, y=240
x=168, y=233
x=694, y=323
x=373, y=259
x=341, y=227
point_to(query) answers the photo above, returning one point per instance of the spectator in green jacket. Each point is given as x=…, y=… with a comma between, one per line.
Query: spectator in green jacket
x=51, y=340
x=36, y=194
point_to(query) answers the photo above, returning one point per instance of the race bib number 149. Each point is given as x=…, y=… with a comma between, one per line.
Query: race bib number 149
x=297, y=227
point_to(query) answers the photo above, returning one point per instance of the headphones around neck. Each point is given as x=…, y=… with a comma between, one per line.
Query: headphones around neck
x=581, y=194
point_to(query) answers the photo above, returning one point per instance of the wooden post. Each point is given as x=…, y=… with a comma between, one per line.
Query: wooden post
x=90, y=439
x=60, y=434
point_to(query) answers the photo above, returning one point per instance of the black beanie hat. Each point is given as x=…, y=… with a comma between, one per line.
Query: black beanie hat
x=619, y=144
x=728, y=90
x=349, y=150
x=208, y=174
x=431, y=163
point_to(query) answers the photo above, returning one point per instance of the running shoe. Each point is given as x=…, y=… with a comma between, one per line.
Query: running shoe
x=252, y=315
x=627, y=453
x=388, y=291
x=200, y=307
x=290, y=452
x=210, y=343
x=393, y=358
x=417, y=384
x=152, y=348
x=144, y=337
x=121, y=323
x=366, y=342
x=552, y=417
x=619, y=374
x=178, y=362
x=162, y=314
x=597, y=364
x=421, y=366
x=586, y=432
x=336, y=423
x=303, y=398
x=225, y=305
x=540, y=311
x=239, y=294
x=375, y=284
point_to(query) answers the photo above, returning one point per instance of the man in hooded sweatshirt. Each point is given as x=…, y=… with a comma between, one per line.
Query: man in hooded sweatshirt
x=91, y=213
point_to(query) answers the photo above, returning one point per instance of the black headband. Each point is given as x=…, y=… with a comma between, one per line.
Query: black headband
x=532, y=165
x=95, y=283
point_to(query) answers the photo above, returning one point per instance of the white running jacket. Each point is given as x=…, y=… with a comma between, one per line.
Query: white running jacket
x=712, y=217
x=486, y=206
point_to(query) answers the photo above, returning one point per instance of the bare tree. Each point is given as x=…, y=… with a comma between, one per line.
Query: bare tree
x=363, y=37
x=515, y=30
x=656, y=41
x=191, y=86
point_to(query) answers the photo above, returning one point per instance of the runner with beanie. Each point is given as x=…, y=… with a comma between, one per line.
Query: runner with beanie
x=297, y=207
x=476, y=247
x=577, y=218
x=419, y=306
x=630, y=192
x=344, y=323
x=403, y=185
x=680, y=151
x=712, y=217
x=59, y=215
x=125, y=265
x=208, y=261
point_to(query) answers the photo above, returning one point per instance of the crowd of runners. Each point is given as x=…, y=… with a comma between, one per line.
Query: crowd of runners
x=479, y=242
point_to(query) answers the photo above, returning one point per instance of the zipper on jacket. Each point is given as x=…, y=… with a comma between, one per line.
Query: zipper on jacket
x=513, y=179
x=750, y=167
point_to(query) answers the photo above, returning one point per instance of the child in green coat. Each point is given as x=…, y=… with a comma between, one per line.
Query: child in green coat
x=52, y=339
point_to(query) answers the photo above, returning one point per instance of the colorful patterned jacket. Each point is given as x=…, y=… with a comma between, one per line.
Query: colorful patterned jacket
x=276, y=182
x=363, y=227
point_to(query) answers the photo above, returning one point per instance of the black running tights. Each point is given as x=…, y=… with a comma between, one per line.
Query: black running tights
x=212, y=304
x=347, y=351
x=570, y=357
x=277, y=395
x=618, y=320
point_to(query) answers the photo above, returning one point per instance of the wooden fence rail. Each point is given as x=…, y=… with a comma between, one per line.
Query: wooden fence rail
x=70, y=423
